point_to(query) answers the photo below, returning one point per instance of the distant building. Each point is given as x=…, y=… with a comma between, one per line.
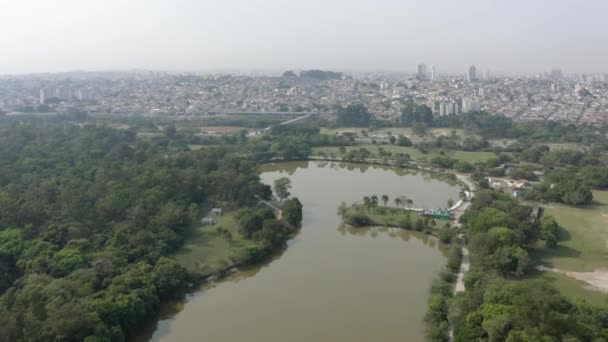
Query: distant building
x=471, y=73
x=556, y=74
x=471, y=105
x=421, y=72
x=208, y=221
x=42, y=96
x=432, y=72
x=448, y=108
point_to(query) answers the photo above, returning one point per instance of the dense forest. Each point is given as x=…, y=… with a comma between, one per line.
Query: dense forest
x=86, y=218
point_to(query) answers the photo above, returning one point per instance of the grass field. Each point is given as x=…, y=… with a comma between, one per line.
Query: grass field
x=584, y=235
x=415, y=154
x=572, y=288
x=583, y=246
x=389, y=216
x=208, y=250
x=406, y=131
x=195, y=147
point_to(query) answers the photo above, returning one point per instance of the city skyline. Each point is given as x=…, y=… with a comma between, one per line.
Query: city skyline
x=380, y=36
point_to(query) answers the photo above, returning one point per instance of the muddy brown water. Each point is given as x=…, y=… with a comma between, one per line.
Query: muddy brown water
x=331, y=283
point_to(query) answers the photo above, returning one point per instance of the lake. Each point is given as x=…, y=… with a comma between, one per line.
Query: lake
x=332, y=282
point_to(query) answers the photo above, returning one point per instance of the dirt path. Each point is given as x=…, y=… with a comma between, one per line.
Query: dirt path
x=597, y=280
x=464, y=266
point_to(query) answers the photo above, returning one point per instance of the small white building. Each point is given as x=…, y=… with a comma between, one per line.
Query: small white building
x=208, y=221
x=217, y=211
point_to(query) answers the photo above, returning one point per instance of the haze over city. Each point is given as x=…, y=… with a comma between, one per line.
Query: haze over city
x=361, y=35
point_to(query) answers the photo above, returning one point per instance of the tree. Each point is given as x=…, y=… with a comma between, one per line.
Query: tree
x=170, y=131
x=169, y=276
x=281, y=188
x=354, y=115
x=409, y=202
x=384, y=199
x=275, y=232
x=374, y=201
x=548, y=230
x=398, y=202
x=419, y=128
x=403, y=141
x=367, y=202
x=292, y=211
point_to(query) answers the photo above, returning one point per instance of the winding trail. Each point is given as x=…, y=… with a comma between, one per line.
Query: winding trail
x=465, y=264
x=271, y=206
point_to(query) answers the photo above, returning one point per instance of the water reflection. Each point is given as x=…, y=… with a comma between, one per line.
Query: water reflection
x=333, y=282
x=392, y=232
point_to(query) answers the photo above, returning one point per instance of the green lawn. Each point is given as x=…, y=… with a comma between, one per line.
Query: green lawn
x=415, y=154
x=407, y=131
x=389, y=216
x=208, y=250
x=584, y=234
x=472, y=157
x=583, y=246
x=573, y=288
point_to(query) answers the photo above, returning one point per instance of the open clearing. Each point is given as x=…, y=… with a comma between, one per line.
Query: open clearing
x=209, y=250
x=414, y=154
x=406, y=131
x=597, y=279
x=582, y=254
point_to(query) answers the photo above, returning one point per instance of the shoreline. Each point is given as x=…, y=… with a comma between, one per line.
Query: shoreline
x=201, y=279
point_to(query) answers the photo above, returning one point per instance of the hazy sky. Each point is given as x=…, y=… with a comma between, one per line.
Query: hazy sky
x=345, y=35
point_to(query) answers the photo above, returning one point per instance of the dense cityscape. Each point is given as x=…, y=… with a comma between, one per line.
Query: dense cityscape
x=294, y=171
x=578, y=99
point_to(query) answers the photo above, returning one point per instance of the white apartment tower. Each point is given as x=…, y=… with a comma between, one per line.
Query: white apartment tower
x=470, y=105
x=42, y=96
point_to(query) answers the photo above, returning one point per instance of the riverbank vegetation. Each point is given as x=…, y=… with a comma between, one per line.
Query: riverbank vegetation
x=88, y=217
x=371, y=214
x=500, y=303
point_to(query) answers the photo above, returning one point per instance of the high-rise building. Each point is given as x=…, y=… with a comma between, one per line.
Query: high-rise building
x=470, y=105
x=446, y=107
x=42, y=96
x=471, y=73
x=421, y=72
x=556, y=74
x=432, y=72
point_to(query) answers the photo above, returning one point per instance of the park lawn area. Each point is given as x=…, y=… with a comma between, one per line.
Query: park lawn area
x=414, y=153
x=195, y=147
x=406, y=131
x=472, y=157
x=394, y=130
x=583, y=245
x=572, y=288
x=373, y=149
x=207, y=250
